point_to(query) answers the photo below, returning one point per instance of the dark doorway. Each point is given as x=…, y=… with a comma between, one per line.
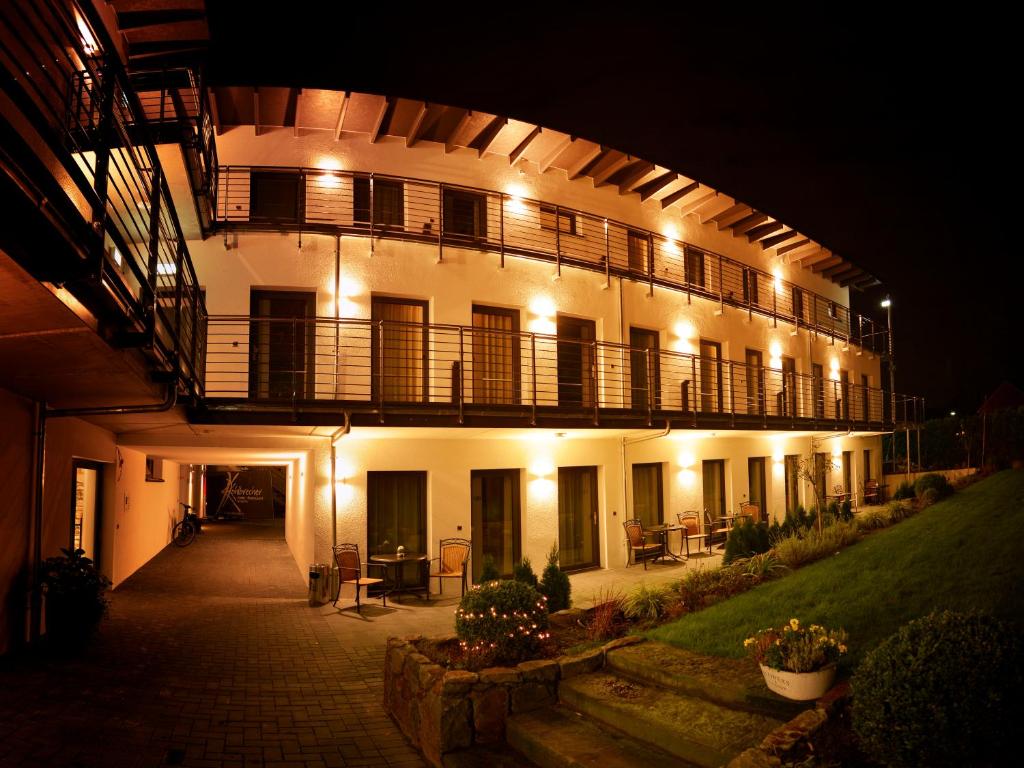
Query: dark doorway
x=787, y=397
x=495, y=519
x=792, y=466
x=577, y=518
x=644, y=374
x=818, y=391
x=714, y=487
x=400, y=365
x=282, y=344
x=496, y=376
x=711, y=398
x=396, y=514
x=755, y=382
x=576, y=362
x=648, y=494
x=756, y=484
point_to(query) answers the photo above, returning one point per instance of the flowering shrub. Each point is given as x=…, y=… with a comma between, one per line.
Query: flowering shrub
x=503, y=619
x=794, y=648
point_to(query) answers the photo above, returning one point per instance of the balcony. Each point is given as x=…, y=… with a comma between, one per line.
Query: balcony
x=449, y=216
x=92, y=211
x=299, y=371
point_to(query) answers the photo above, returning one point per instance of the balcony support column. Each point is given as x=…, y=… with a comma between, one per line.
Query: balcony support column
x=101, y=176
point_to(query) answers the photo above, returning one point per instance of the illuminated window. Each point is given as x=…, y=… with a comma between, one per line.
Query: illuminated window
x=566, y=219
x=388, y=202
x=465, y=214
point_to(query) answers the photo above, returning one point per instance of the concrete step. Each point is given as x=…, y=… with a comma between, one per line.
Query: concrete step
x=735, y=683
x=695, y=730
x=486, y=757
x=559, y=738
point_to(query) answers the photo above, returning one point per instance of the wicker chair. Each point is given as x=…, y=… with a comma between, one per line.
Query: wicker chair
x=350, y=571
x=636, y=543
x=690, y=520
x=452, y=563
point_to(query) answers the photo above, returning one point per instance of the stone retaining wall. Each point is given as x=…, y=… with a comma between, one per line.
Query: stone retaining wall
x=442, y=711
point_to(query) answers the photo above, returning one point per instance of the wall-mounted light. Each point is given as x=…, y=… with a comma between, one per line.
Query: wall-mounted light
x=543, y=310
x=833, y=368
x=777, y=275
x=542, y=468
x=684, y=333
x=775, y=355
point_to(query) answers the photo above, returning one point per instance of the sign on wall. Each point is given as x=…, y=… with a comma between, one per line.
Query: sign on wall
x=239, y=492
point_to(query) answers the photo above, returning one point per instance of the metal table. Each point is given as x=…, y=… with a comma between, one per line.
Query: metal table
x=393, y=583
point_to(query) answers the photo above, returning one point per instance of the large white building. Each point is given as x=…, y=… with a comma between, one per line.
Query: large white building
x=442, y=322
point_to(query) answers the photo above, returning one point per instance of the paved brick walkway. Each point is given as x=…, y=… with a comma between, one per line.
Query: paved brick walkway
x=211, y=657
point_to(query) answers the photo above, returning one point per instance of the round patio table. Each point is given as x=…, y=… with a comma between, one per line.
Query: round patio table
x=393, y=563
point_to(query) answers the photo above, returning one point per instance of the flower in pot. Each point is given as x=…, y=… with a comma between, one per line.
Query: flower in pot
x=798, y=662
x=75, y=600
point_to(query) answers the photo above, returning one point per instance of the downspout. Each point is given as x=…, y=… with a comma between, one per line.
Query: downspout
x=622, y=456
x=338, y=434
x=337, y=312
x=42, y=413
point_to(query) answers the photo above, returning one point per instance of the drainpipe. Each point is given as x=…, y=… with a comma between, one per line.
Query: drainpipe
x=622, y=461
x=42, y=413
x=338, y=434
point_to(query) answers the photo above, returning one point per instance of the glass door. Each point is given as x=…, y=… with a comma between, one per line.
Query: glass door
x=577, y=518
x=755, y=382
x=495, y=519
x=756, y=484
x=648, y=496
x=576, y=362
x=788, y=394
x=792, y=465
x=643, y=369
x=710, y=376
x=496, y=377
x=86, y=507
x=281, y=344
x=714, y=487
x=396, y=514
x=399, y=350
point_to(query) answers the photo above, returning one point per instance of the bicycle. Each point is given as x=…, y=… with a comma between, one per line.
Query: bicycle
x=185, y=530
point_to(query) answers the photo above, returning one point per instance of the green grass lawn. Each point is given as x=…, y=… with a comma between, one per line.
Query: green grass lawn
x=964, y=553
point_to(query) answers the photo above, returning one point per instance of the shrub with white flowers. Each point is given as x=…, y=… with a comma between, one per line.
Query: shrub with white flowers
x=795, y=648
x=504, y=621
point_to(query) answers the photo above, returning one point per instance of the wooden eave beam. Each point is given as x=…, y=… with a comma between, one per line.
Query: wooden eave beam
x=812, y=255
x=763, y=231
x=486, y=137
x=652, y=187
x=554, y=154
x=679, y=194
x=417, y=125
x=378, y=123
x=611, y=169
x=730, y=215
x=846, y=276
x=634, y=175
x=575, y=170
x=524, y=145
x=342, y=109
x=774, y=240
x=802, y=243
x=449, y=142
x=747, y=223
x=298, y=111
x=215, y=112
x=697, y=202
x=842, y=268
x=820, y=266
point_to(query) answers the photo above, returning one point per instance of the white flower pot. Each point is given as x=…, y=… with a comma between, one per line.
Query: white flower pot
x=799, y=686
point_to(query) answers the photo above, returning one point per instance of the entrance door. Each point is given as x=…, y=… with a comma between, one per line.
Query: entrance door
x=496, y=376
x=845, y=390
x=792, y=483
x=577, y=518
x=788, y=394
x=396, y=514
x=714, y=487
x=643, y=369
x=710, y=376
x=755, y=382
x=86, y=507
x=495, y=519
x=576, y=362
x=821, y=467
x=756, y=484
x=818, y=391
x=648, y=496
x=400, y=366
x=281, y=344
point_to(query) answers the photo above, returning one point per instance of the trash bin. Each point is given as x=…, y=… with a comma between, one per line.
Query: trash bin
x=319, y=583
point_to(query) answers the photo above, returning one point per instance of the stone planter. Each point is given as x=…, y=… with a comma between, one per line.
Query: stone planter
x=442, y=710
x=799, y=686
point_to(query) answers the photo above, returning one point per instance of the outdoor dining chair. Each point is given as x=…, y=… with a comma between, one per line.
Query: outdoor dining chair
x=714, y=529
x=452, y=562
x=753, y=509
x=637, y=545
x=350, y=571
x=692, y=529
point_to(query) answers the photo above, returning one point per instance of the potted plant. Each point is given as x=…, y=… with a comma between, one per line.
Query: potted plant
x=75, y=600
x=798, y=662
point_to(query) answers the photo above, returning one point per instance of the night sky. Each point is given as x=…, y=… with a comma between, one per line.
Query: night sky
x=887, y=140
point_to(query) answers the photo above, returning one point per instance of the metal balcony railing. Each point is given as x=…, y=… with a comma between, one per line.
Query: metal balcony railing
x=391, y=207
x=385, y=366
x=64, y=77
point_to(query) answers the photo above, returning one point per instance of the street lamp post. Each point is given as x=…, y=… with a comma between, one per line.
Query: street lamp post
x=887, y=303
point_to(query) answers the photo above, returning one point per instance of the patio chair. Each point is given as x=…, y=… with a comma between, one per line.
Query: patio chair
x=452, y=562
x=636, y=543
x=753, y=509
x=714, y=529
x=350, y=571
x=872, y=493
x=690, y=520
